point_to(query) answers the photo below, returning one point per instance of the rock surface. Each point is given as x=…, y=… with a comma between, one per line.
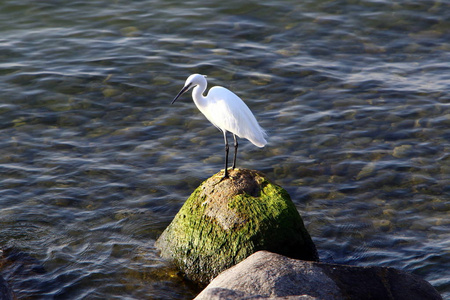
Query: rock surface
x=266, y=275
x=223, y=222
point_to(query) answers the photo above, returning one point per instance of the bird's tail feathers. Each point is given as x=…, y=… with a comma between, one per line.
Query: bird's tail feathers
x=259, y=139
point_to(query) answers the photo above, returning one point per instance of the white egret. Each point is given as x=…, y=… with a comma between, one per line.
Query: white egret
x=227, y=112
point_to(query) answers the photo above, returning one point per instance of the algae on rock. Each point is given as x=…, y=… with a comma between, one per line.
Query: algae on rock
x=224, y=222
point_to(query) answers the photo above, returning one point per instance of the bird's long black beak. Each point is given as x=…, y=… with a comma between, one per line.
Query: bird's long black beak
x=183, y=90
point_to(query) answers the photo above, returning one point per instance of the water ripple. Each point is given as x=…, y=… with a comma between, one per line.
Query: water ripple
x=95, y=162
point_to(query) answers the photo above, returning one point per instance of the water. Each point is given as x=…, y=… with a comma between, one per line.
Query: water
x=95, y=163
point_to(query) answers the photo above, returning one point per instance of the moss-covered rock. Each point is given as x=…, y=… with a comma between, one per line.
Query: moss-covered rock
x=225, y=221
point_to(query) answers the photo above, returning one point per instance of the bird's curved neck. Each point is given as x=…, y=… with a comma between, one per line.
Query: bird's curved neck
x=197, y=95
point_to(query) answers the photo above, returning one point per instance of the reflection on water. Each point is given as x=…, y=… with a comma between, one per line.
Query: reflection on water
x=95, y=162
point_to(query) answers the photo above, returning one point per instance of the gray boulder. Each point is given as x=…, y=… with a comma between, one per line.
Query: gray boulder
x=266, y=275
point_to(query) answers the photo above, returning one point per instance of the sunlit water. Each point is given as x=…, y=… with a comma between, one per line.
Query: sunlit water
x=95, y=162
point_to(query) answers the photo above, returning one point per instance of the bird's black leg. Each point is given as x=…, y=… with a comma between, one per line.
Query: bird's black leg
x=226, y=155
x=235, y=151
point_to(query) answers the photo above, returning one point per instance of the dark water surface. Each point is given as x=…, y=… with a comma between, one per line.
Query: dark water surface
x=95, y=162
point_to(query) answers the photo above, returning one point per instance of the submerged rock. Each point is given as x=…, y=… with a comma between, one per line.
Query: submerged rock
x=18, y=267
x=223, y=222
x=266, y=275
x=6, y=292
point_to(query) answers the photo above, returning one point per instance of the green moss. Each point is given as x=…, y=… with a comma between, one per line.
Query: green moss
x=223, y=223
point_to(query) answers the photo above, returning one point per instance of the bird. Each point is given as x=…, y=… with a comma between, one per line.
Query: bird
x=226, y=111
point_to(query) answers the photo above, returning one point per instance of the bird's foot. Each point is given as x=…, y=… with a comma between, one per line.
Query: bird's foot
x=225, y=176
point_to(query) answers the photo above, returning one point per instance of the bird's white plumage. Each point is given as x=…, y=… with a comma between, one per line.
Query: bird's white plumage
x=226, y=111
